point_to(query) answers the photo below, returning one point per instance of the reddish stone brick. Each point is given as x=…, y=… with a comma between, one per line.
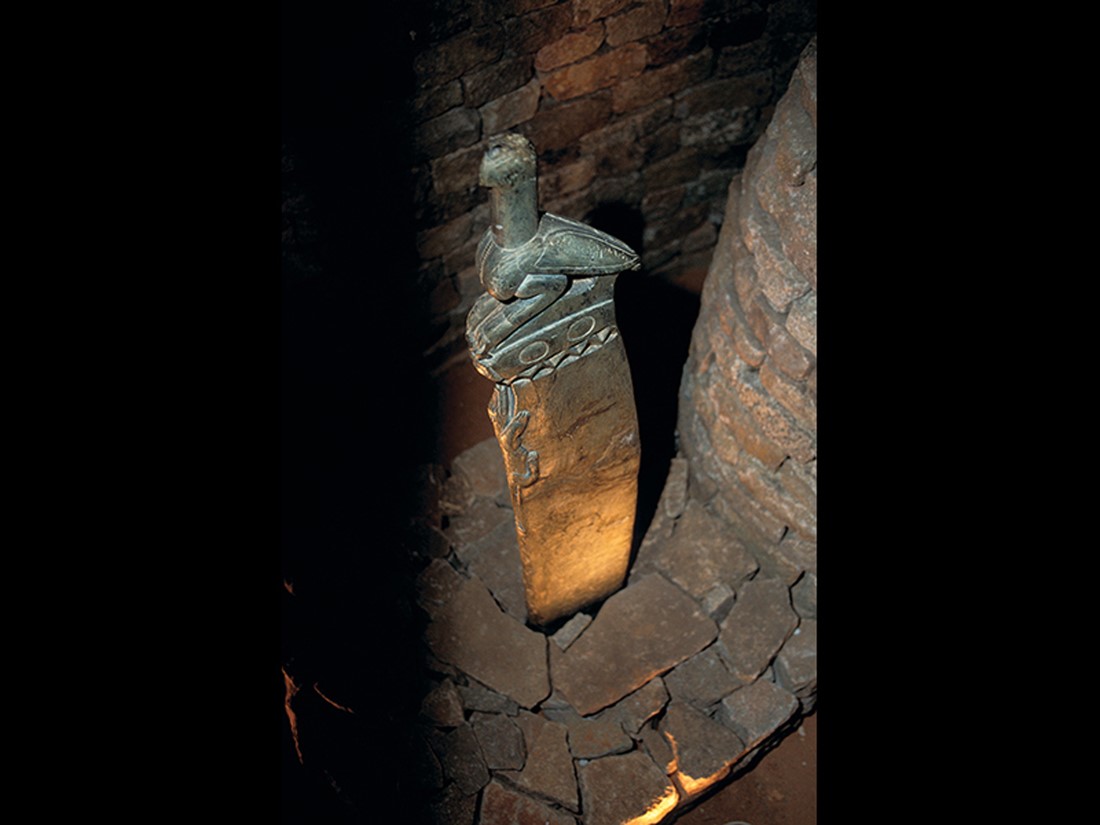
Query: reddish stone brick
x=447, y=133
x=678, y=168
x=702, y=237
x=561, y=126
x=725, y=93
x=756, y=524
x=683, y=12
x=788, y=356
x=567, y=178
x=530, y=32
x=674, y=44
x=773, y=420
x=506, y=75
x=434, y=242
x=654, y=84
x=793, y=395
x=658, y=203
x=770, y=494
x=597, y=72
x=585, y=11
x=435, y=102
x=570, y=48
x=640, y=21
x=457, y=171
x=511, y=109
x=802, y=321
x=453, y=58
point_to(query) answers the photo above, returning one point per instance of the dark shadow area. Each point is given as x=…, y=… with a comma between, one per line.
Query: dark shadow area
x=354, y=410
x=656, y=319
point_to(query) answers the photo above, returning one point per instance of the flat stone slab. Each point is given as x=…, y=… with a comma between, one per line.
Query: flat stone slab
x=494, y=558
x=622, y=789
x=593, y=736
x=471, y=633
x=568, y=632
x=462, y=760
x=756, y=711
x=501, y=805
x=703, y=552
x=454, y=807
x=477, y=521
x=477, y=697
x=705, y=750
x=501, y=741
x=640, y=632
x=443, y=705
x=548, y=771
x=757, y=626
x=702, y=680
x=482, y=468
x=640, y=706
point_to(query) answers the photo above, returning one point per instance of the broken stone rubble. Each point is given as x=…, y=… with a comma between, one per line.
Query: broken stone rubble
x=641, y=703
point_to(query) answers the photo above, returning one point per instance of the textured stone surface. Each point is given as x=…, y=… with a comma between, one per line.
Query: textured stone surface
x=482, y=465
x=462, y=760
x=570, y=48
x=618, y=789
x=705, y=750
x=804, y=596
x=447, y=133
x=759, y=623
x=597, y=72
x=654, y=84
x=640, y=632
x=477, y=697
x=443, y=705
x=568, y=632
x=500, y=805
x=585, y=11
x=477, y=521
x=702, y=680
x=658, y=749
x=471, y=633
x=756, y=711
x=704, y=552
x=591, y=737
x=549, y=769
x=640, y=706
x=637, y=22
x=501, y=741
x=454, y=807
x=796, y=664
x=515, y=107
x=494, y=559
x=437, y=584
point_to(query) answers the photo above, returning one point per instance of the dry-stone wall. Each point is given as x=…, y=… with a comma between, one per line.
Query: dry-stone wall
x=748, y=413
x=650, y=105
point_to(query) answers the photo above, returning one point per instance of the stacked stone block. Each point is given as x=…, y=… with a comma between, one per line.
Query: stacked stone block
x=647, y=104
x=748, y=414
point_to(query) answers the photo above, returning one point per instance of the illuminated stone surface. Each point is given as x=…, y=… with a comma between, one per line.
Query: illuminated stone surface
x=761, y=620
x=658, y=749
x=618, y=790
x=503, y=806
x=482, y=467
x=757, y=710
x=705, y=750
x=501, y=741
x=702, y=680
x=462, y=760
x=549, y=768
x=472, y=633
x=639, y=633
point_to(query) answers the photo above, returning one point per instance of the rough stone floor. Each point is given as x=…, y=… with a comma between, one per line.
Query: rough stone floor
x=640, y=710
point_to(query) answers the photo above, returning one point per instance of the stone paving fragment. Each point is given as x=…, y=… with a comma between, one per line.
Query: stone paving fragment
x=796, y=664
x=759, y=623
x=454, y=807
x=702, y=680
x=658, y=749
x=501, y=805
x=482, y=466
x=718, y=601
x=475, y=696
x=471, y=633
x=703, y=552
x=462, y=760
x=640, y=706
x=705, y=750
x=436, y=584
x=501, y=741
x=548, y=771
x=443, y=705
x=640, y=632
x=477, y=521
x=757, y=710
x=621, y=789
x=494, y=558
x=593, y=736
x=568, y=632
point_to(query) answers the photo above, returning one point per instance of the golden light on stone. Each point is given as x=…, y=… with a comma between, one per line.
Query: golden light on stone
x=658, y=809
x=694, y=785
